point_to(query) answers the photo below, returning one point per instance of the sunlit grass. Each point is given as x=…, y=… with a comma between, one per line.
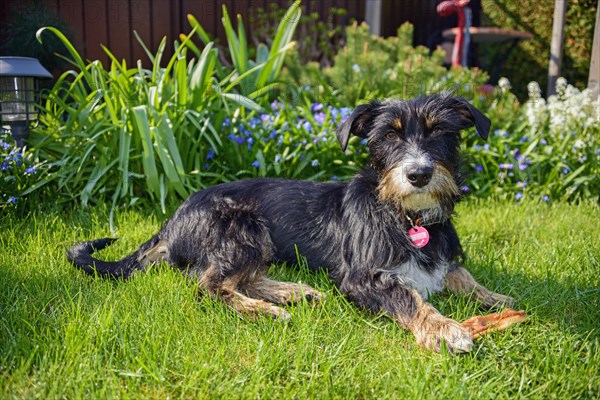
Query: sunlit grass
x=67, y=335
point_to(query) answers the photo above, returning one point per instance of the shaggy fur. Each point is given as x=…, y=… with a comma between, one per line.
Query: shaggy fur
x=226, y=236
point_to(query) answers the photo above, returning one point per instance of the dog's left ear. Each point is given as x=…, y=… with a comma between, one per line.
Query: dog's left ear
x=358, y=123
x=481, y=122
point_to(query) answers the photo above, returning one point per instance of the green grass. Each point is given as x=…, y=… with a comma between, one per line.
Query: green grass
x=66, y=335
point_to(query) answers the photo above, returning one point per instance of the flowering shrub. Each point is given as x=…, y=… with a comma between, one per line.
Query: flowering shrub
x=545, y=150
x=370, y=67
x=285, y=141
x=20, y=173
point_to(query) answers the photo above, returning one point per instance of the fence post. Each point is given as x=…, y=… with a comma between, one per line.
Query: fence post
x=594, y=77
x=556, y=48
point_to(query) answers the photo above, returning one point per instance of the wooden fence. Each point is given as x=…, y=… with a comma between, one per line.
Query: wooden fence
x=112, y=22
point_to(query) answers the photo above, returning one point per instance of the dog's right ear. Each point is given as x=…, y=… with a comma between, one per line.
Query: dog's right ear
x=358, y=123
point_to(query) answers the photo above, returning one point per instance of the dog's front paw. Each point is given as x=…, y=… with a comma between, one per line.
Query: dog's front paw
x=437, y=329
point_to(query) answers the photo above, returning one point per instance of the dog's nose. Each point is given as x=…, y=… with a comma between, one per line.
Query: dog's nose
x=420, y=177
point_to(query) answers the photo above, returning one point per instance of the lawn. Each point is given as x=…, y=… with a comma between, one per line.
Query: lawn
x=66, y=335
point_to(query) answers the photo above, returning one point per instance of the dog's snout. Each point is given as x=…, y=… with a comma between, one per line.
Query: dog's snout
x=420, y=177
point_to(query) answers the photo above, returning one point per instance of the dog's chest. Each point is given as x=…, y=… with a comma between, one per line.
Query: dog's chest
x=411, y=274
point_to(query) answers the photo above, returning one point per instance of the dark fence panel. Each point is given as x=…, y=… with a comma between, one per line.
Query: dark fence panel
x=111, y=22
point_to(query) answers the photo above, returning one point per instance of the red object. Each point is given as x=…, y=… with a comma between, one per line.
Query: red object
x=447, y=8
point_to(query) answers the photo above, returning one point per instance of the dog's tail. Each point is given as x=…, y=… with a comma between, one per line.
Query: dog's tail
x=80, y=255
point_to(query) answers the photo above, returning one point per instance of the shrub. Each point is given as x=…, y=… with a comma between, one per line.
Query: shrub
x=129, y=134
x=530, y=16
x=287, y=141
x=369, y=67
x=20, y=174
x=549, y=150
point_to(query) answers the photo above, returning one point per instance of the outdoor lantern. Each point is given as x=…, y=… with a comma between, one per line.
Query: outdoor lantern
x=19, y=94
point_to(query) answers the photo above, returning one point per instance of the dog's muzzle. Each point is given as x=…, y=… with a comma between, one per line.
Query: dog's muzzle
x=418, y=187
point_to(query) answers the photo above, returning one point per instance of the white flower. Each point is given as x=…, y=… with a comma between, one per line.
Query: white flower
x=504, y=84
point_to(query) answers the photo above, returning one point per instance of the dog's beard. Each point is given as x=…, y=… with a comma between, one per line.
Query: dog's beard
x=436, y=198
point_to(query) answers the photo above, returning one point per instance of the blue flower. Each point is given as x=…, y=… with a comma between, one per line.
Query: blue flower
x=522, y=166
x=565, y=171
x=356, y=68
x=12, y=200
x=239, y=140
x=210, y=154
x=521, y=184
x=523, y=139
x=543, y=141
x=254, y=122
x=363, y=141
x=30, y=171
x=5, y=167
x=266, y=117
x=518, y=196
x=506, y=166
x=227, y=121
x=486, y=147
x=277, y=158
x=345, y=111
x=546, y=199
x=464, y=188
x=256, y=164
x=246, y=132
x=5, y=145
x=307, y=126
x=206, y=166
x=478, y=168
x=501, y=132
x=334, y=177
x=275, y=105
x=477, y=147
x=320, y=118
x=316, y=107
x=315, y=163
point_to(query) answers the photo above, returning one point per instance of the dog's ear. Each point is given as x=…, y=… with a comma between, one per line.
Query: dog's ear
x=476, y=117
x=358, y=123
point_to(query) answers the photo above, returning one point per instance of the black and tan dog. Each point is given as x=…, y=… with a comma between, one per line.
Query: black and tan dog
x=385, y=236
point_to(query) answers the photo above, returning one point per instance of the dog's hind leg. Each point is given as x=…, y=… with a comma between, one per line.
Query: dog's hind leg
x=460, y=281
x=280, y=292
x=230, y=290
x=235, y=251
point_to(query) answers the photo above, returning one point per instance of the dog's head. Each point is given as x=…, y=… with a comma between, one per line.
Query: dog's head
x=414, y=147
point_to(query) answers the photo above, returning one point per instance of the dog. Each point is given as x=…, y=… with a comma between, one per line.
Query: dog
x=385, y=237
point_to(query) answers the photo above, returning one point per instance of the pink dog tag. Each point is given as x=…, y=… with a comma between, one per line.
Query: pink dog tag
x=419, y=236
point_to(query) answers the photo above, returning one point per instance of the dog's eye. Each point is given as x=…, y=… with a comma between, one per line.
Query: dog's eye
x=392, y=136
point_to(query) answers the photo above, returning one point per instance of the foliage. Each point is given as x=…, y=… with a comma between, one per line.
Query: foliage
x=287, y=141
x=20, y=30
x=529, y=16
x=317, y=39
x=20, y=174
x=370, y=66
x=67, y=335
x=544, y=150
x=125, y=134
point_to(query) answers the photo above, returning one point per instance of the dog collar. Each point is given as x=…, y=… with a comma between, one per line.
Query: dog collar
x=425, y=218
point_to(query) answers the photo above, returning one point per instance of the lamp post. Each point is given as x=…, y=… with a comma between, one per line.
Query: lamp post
x=19, y=94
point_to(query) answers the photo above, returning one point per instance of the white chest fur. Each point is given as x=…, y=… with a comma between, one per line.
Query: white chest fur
x=416, y=277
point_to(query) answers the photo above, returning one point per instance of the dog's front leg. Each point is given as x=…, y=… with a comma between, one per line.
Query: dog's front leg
x=460, y=281
x=407, y=307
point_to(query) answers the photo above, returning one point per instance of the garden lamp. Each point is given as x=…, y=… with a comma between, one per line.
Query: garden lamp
x=19, y=94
